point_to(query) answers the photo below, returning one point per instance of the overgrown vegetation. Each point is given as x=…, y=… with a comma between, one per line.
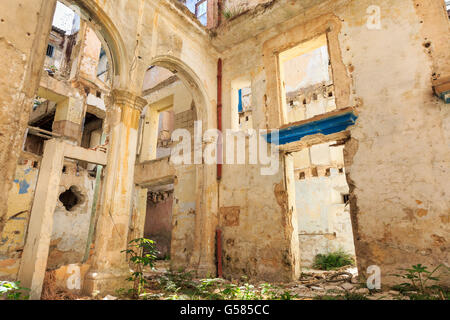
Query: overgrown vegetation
x=12, y=291
x=180, y=285
x=418, y=285
x=142, y=253
x=333, y=260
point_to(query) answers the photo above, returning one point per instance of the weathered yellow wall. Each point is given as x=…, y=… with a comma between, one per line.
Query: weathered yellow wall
x=398, y=157
x=24, y=30
x=20, y=201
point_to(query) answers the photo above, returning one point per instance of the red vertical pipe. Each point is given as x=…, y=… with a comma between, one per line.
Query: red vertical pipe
x=219, y=160
x=219, y=119
x=219, y=12
x=219, y=252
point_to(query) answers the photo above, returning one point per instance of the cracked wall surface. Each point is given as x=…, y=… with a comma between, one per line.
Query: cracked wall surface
x=396, y=155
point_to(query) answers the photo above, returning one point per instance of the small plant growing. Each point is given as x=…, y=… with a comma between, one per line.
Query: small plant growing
x=12, y=291
x=231, y=12
x=142, y=253
x=418, y=277
x=333, y=260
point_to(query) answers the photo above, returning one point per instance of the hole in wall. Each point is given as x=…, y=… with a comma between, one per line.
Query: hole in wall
x=345, y=198
x=71, y=198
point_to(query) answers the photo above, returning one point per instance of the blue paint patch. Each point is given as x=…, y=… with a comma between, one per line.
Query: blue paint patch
x=327, y=126
x=27, y=171
x=23, y=186
x=240, y=105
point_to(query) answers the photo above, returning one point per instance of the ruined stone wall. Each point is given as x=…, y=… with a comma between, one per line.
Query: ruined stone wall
x=70, y=228
x=254, y=218
x=71, y=224
x=58, y=41
x=138, y=34
x=90, y=56
x=20, y=200
x=398, y=157
x=24, y=31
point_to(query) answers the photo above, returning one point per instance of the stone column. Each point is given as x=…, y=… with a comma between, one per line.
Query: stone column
x=35, y=253
x=109, y=266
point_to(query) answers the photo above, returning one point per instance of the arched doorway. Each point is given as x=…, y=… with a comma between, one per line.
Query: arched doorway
x=176, y=194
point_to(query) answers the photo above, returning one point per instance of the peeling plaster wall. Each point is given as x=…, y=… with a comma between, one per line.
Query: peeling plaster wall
x=256, y=221
x=70, y=228
x=20, y=200
x=184, y=211
x=24, y=30
x=397, y=161
x=399, y=157
x=90, y=55
x=254, y=242
x=138, y=34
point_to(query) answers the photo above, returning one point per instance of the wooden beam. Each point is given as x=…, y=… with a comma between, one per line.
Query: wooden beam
x=82, y=154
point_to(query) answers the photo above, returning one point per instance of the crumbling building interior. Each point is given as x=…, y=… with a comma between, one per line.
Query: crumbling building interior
x=93, y=92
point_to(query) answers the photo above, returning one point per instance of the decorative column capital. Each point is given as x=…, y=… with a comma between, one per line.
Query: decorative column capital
x=125, y=98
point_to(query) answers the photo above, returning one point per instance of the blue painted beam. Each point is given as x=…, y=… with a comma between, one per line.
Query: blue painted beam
x=446, y=97
x=240, y=105
x=327, y=126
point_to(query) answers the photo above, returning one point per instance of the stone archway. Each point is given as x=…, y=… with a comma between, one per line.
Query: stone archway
x=193, y=246
x=124, y=108
x=107, y=33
